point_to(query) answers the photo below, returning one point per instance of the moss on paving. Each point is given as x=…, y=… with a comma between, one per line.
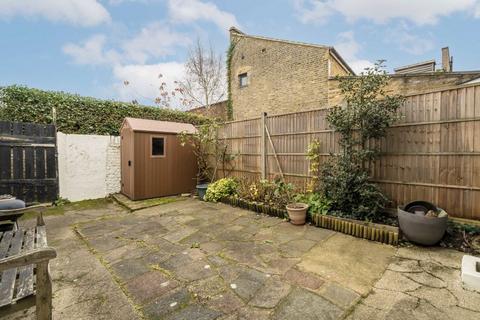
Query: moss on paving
x=134, y=205
x=159, y=201
x=71, y=206
x=120, y=283
x=156, y=267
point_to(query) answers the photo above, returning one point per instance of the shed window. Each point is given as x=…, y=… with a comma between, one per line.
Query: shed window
x=158, y=146
x=243, y=79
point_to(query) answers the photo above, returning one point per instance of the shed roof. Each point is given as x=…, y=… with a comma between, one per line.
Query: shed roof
x=146, y=125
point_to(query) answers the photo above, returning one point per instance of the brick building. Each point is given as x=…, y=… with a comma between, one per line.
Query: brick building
x=280, y=76
x=217, y=110
x=277, y=76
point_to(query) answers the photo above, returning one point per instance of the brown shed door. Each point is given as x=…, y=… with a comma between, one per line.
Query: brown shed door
x=127, y=161
x=162, y=167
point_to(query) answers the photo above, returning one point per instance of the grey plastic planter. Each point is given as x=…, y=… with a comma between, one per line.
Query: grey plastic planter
x=202, y=190
x=418, y=228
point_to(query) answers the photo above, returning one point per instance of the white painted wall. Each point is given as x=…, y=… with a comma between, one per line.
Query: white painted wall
x=88, y=166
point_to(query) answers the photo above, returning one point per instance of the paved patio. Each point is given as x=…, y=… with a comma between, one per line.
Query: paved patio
x=196, y=260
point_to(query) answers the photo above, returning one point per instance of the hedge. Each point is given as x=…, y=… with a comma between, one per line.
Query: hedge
x=77, y=114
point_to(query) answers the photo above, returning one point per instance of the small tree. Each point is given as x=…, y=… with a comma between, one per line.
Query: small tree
x=211, y=152
x=175, y=98
x=367, y=113
x=205, y=82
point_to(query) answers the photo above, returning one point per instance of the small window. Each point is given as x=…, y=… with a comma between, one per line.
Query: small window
x=158, y=146
x=243, y=79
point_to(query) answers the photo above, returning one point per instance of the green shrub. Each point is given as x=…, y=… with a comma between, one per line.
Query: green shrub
x=274, y=193
x=317, y=203
x=76, y=114
x=350, y=191
x=220, y=189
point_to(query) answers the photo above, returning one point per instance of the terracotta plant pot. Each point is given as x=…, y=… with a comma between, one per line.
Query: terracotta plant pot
x=297, y=212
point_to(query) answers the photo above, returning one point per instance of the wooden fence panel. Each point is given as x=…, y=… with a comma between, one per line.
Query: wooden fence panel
x=431, y=153
x=28, y=164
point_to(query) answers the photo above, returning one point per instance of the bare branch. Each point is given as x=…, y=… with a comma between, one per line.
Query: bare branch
x=205, y=81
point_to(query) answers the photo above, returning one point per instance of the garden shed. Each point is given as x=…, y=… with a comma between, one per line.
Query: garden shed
x=153, y=161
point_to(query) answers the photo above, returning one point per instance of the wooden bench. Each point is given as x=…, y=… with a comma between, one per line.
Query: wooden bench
x=24, y=268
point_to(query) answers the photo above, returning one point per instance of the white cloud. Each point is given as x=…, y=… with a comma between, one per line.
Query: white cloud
x=155, y=40
x=84, y=13
x=408, y=41
x=316, y=12
x=349, y=48
x=130, y=60
x=144, y=81
x=186, y=11
x=117, y=2
x=420, y=12
x=91, y=52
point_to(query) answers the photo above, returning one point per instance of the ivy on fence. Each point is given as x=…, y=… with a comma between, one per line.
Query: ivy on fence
x=77, y=114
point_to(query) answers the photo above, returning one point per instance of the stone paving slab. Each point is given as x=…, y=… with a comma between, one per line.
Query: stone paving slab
x=142, y=204
x=221, y=262
x=352, y=262
x=197, y=260
x=420, y=283
x=214, y=261
x=82, y=287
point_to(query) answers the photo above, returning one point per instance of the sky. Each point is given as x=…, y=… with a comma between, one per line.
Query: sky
x=91, y=47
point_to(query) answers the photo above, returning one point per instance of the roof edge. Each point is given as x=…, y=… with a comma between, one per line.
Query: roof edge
x=188, y=127
x=244, y=35
x=342, y=61
x=415, y=65
x=337, y=56
x=423, y=74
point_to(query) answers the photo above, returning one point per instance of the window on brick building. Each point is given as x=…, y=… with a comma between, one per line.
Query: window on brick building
x=243, y=79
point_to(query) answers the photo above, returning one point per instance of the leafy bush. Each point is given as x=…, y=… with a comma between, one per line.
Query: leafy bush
x=274, y=193
x=368, y=111
x=76, y=114
x=350, y=192
x=317, y=203
x=220, y=189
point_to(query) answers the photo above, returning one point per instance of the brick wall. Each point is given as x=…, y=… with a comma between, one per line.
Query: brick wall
x=88, y=166
x=285, y=76
x=282, y=76
x=407, y=84
x=113, y=168
x=217, y=110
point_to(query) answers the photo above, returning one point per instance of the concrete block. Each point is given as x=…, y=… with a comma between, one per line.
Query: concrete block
x=471, y=272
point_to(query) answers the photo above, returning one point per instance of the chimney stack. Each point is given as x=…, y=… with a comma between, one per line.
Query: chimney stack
x=447, y=61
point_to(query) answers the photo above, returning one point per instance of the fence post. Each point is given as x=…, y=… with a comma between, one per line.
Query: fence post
x=264, y=147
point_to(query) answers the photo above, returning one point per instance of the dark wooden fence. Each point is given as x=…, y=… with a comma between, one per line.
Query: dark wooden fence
x=28, y=164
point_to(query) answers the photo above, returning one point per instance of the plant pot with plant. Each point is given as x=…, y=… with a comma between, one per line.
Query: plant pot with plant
x=297, y=212
x=211, y=153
